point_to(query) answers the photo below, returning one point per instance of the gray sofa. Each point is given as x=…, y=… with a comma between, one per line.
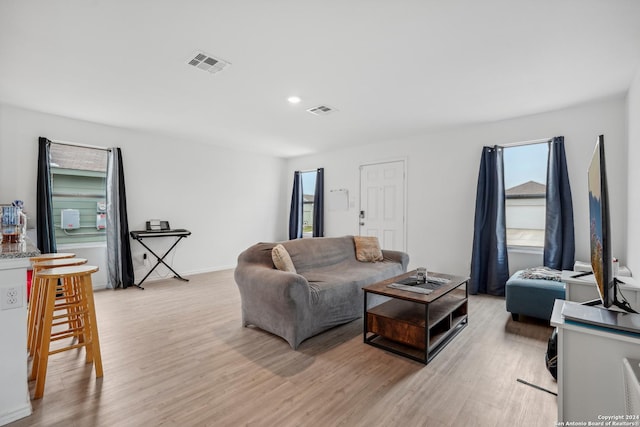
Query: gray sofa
x=325, y=291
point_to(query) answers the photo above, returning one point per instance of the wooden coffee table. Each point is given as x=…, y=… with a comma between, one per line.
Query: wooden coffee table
x=414, y=325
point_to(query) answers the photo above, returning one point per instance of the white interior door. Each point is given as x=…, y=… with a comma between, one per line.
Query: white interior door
x=382, y=204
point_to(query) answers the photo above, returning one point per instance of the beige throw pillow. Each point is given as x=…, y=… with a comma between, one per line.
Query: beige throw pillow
x=367, y=249
x=281, y=259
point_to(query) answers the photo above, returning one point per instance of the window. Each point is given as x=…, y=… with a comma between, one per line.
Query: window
x=525, y=179
x=308, y=196
x=78, y=182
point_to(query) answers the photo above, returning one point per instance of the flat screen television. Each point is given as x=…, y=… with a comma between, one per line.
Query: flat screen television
x=600, y=230
x=600, y=225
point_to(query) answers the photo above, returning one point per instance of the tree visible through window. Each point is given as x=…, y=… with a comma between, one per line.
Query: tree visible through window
x=308, y=195
x=525, y=178
x=78, y=182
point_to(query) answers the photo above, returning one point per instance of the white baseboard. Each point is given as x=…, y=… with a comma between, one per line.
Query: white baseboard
x=209, y=270
x=154, y=278
x=9, y=417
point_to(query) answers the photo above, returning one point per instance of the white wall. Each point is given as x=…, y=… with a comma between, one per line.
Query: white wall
x=218, y=193
x=443, y=171
x=633, y=194
x=228, y=199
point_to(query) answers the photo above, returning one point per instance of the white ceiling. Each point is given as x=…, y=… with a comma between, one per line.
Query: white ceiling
x=391, y=68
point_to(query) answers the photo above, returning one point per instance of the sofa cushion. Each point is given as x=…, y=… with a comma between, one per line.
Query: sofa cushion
x=352, y=272
x=281, y=259
x=348, y=274
x=367, y=248
x=317, y=252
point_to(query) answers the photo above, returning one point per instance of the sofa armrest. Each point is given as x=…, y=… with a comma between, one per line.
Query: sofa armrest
x=271, y=286
x=396, y=256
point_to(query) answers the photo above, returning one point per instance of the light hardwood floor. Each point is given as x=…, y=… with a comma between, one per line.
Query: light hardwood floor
x=176, y=354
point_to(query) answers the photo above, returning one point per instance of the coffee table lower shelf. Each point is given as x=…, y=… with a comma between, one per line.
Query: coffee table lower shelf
x=417, y=331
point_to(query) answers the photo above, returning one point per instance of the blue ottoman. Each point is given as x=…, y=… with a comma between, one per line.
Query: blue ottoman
x=532, y=297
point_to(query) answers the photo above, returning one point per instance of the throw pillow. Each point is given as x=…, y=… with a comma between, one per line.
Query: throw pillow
x=281, y=259
x=367, y=249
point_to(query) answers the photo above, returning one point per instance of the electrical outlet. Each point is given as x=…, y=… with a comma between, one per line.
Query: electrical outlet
x=10, y=297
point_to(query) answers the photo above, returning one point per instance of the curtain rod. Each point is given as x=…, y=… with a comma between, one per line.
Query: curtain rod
x=308, y=170
x=74, y=144
x=516, y=144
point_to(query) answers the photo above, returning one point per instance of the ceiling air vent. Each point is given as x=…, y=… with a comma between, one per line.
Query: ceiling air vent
x=321, y=110
x=207, y=62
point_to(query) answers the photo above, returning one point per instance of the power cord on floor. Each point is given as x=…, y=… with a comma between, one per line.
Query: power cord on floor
x=536, y=386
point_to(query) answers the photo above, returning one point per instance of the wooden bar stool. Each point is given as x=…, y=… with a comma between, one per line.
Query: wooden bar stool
x=63, y=289
x=80, y=313
x=34, y=260
x=47, y=257
x=35, y=303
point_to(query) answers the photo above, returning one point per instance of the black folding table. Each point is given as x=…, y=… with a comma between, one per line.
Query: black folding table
x=144, y=234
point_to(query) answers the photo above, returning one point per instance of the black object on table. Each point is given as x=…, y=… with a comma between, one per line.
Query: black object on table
x=144, y=234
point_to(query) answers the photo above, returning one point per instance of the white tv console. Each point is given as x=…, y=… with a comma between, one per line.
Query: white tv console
x=590, y=369
x=582, y=289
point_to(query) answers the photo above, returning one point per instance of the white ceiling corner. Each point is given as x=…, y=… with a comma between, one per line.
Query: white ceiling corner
x=389, y=67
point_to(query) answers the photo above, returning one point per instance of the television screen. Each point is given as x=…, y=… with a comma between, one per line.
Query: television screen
x=600, y=229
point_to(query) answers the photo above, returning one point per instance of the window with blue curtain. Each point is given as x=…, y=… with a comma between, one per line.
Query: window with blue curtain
x=539, y=215
x=306, y=218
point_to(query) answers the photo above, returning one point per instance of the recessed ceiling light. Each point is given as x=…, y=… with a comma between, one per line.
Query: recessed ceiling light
x=294, y=99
